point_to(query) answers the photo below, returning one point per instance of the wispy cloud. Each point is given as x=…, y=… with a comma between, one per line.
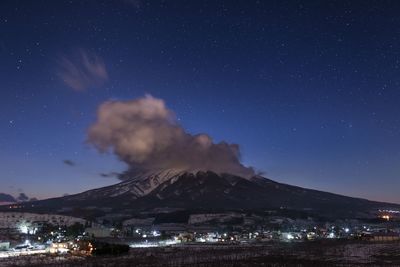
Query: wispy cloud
x=82, y=70
x=69, y=162
x=111, y=174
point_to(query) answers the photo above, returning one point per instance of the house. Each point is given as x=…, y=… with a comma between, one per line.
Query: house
x=385, y=237
x=100, y=232
x=4, y=246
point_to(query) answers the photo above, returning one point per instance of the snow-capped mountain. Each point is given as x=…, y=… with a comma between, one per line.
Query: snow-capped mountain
x=136, y=186
x=182, y=190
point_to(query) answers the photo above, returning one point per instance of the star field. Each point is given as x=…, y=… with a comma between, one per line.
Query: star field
x=310, y=90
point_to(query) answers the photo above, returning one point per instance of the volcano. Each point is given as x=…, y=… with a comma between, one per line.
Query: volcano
x=172, y=190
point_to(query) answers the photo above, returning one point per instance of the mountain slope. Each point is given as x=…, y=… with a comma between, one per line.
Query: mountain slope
x=179, y=190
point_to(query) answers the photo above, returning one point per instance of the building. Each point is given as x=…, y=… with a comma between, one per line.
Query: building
x=100, y=232
x=30, y=223
x=61, y=247
x=386, y=237
x=4, y=246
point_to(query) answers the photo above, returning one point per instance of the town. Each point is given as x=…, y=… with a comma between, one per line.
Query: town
x=27, y=234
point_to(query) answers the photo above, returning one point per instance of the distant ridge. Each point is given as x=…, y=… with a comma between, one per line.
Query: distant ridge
x=6, y=199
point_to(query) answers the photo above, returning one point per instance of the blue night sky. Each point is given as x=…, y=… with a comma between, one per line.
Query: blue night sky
x=309, y=89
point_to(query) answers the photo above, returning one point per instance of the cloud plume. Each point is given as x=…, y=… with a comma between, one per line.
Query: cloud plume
x=82, y=70
x=144, y=134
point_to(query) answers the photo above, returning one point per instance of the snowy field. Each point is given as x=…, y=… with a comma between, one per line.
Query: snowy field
x=10, y=254
x=331, y=253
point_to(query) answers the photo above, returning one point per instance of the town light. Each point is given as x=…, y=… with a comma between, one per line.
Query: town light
x=155, y=233
x=23, y=229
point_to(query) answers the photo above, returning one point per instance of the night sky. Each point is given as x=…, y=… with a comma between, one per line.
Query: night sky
x=310, y=90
